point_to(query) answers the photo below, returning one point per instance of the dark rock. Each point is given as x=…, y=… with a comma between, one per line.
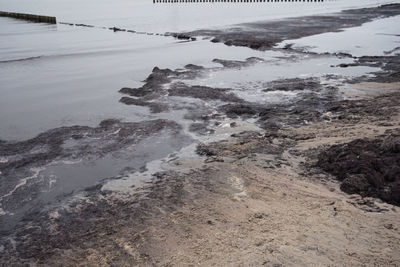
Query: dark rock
x=388, y=226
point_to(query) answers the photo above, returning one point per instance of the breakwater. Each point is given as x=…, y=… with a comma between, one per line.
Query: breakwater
x=30, y=17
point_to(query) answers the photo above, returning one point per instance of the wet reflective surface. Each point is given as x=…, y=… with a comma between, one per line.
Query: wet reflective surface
x=376, y=38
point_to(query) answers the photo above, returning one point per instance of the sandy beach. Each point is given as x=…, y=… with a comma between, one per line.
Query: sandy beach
x=245, y=162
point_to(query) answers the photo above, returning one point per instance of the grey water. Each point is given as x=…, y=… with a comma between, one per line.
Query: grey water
x=58, y=75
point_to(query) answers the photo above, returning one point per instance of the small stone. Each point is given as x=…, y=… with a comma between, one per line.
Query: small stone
x=258, y=215
x=259, y=244
x=389, y=226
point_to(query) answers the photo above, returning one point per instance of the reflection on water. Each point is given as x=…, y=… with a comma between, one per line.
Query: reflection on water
x=377, y=38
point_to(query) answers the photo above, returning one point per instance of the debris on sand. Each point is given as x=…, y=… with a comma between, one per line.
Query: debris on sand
x=370, y=168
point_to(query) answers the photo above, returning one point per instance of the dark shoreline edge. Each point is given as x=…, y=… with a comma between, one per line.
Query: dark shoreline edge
x=99, y=221
x=265, y=35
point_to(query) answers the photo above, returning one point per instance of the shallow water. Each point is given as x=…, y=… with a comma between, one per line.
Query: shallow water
x=63, y=178
x=56, y=75
x=377, y=38
x=248, y=83
x=70, y=83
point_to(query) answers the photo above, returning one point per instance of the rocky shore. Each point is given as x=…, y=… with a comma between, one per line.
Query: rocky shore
x=312, y=180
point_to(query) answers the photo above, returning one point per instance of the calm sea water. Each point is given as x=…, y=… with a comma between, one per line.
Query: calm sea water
x=143, y=15
x=56, y=75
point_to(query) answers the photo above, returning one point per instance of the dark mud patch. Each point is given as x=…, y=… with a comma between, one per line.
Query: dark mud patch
x=311, y=101
x=112, y=230
x=370, y=168
x=238, y=63
x=382, y=107
x=243, y=145
x=390, y=66
x=264, y=35
x=245, y=110
x=164, y=83
x=154, y=90
x=295, y=84
x=201, y=128
x=153, y=106
x=202, y=92
x=109, y=136
x=61, y=162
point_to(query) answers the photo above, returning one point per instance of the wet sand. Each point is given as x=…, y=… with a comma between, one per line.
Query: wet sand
x=255, y=198
x=288, y=183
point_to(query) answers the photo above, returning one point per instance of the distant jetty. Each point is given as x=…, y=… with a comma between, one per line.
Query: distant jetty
x=234, y=1
x=30, y=17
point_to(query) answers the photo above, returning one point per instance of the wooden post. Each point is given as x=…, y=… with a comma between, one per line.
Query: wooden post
x=30, y=17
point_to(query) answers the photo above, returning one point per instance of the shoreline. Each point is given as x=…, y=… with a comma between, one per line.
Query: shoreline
x=265, y=35
x=257, y=197
x=263, y=195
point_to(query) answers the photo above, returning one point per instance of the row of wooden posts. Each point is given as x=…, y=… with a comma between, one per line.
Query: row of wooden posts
x=30, y=17
x=53, y=20
x=231, y=1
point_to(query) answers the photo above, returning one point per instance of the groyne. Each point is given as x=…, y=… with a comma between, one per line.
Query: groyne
x=30, y=17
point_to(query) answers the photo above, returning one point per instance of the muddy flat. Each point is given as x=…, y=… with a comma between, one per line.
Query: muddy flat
x=289, y=156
